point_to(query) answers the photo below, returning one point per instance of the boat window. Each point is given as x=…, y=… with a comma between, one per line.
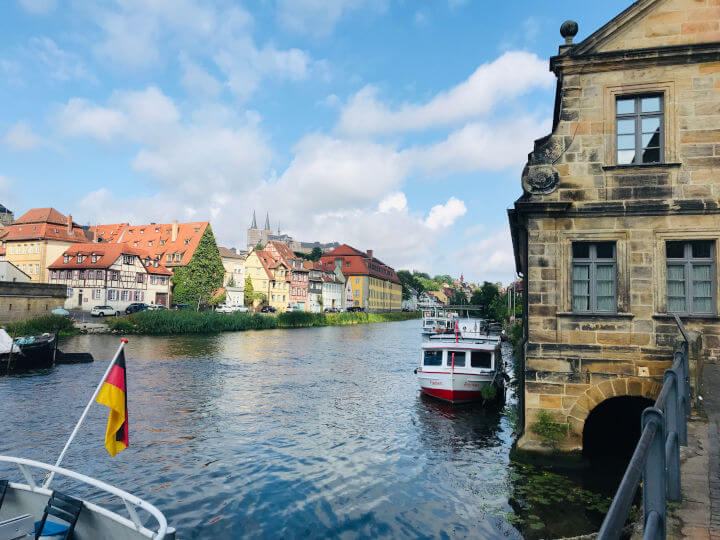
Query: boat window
x=459, y=358
x=481, y=359
x=433, y=358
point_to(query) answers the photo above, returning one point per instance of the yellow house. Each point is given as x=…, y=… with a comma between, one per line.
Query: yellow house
x=37, y=239
x=269, y=276
x=372, y=284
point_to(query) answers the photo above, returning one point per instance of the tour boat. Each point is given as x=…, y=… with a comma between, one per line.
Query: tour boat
x=463, y=367
x=438, y=321
x=25, y=507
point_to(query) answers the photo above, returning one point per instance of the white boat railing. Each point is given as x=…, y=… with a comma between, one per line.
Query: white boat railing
x=131, y=501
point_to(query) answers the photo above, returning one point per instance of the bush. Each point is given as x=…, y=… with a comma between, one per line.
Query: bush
x=52, y=324
x=300, y=319
x=550, y=431
x=162, y=322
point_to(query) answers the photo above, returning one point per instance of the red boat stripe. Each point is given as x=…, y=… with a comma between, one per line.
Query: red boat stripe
x=456, y=373
x=453, y=395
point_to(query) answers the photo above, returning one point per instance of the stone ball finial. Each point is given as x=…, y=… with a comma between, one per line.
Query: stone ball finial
x=569, y=30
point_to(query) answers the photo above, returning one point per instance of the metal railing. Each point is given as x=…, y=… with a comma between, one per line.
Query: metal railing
x=130, y=501
x=656, y=459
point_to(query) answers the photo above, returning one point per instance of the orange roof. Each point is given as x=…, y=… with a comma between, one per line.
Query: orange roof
x=106, y=254
x=359, y=263
x=42, y=215
x=284, y=252
x=43, y=224
x=156, y=238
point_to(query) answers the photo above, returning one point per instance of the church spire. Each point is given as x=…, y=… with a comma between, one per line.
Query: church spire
x=253, y=225
x=267, y=221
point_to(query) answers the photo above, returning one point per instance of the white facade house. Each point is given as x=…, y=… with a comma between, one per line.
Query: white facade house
x=10, y=272
x=235, y=296
x=411, y=303
x=110, y=275
x=332, y=291
x=234, y=264
x=426, y=300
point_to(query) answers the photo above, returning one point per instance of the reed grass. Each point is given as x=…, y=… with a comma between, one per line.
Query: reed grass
x=208, y=322
x=52, y=324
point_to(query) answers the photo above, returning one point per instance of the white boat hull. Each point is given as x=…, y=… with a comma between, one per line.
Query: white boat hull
x=453, y=387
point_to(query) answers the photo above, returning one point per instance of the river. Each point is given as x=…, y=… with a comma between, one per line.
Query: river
x=317, y=432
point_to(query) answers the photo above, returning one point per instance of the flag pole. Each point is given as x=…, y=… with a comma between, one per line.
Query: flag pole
x=123, y=341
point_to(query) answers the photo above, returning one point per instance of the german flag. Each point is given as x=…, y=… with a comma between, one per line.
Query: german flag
x=114, y=394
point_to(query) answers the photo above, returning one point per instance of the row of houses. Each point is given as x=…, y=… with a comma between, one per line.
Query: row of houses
x=118, y=264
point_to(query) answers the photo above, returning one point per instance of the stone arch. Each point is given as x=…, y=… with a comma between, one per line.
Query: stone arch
x=617, y=387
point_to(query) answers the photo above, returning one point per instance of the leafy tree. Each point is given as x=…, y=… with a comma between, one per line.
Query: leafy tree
x=423, y=275
x=231, y=281
x=458, y=298
x=259, y=246
x=202, y=276
x=484, y=297
x=315, y=254
x=429, y=284
x=249, y=291
x=443, y=278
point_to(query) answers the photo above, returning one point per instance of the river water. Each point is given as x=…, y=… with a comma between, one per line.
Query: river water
x=317, y=432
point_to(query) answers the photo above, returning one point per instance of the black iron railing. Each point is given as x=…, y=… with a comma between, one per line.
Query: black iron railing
x=656, y=459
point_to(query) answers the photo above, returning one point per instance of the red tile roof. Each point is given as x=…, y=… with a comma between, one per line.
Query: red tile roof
x=42, y=215
x=360, y=263
x=108, y=254
x=156, y=238
x=284, y=252
x=43, y=224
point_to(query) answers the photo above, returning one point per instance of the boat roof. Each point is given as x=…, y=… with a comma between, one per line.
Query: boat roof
x=467, y=344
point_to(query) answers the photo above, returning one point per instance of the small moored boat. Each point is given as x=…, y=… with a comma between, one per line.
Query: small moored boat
x=463, y=367
x=29, y=352
x=438, y=321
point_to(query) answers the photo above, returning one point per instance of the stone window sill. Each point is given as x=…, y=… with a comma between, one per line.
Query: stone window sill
x=639, y=166
x=620, y=315
x=671, y=316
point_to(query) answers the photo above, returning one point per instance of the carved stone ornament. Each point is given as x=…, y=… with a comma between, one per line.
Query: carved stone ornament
x=539, y=175
x=540, y=178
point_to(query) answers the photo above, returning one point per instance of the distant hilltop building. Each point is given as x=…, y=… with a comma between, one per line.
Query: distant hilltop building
x=6, y=216
x=256, y=235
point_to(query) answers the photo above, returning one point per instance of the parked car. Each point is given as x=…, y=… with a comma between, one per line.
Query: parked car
x=135, y=307
x=355, y=308
x=230, y=308
x=290, y=309
x=331, y=310
x=267, y=309
x=182, y=306
x=103, y=311
x=156, y=306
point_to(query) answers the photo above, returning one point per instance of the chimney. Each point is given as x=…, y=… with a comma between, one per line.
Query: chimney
x=370, y=253
x=174, y=230
x=69, y=224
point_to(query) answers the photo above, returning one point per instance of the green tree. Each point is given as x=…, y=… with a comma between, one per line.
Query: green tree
x=458, y=298
x=443, y=278
x=202, y=276
x=315, y=254
x=259, y=246
x=249, y=291
x=231, y=281
x=484, y=297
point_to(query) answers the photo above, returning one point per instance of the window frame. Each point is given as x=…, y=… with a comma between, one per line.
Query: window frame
x=638, y=117
x=592, y=261
x=687, y=262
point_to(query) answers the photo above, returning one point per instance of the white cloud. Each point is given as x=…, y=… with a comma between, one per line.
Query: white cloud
x=58, y=63
x=509, y=76
x=82, y=117
x=319, y=17
x=199, y=82
x=38, y=7
x=21, y=137
x=479, y=146
x=395, y=202
x=491, y=257
x=445, y=215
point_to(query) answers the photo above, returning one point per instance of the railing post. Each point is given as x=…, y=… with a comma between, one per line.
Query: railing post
x=654, y=490
x=673, y=420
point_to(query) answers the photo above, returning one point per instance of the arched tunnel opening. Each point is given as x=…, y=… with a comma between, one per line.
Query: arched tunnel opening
x=612, y=429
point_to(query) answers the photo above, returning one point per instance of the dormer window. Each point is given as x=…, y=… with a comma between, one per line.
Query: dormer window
x=142, y=231
x=149, y=243
x=135, y=244
x=178, y=257
x=95, y=258
x=162, y=242
x=157, y=229
x=187, y=241
x=66, y=259
x=128, y=259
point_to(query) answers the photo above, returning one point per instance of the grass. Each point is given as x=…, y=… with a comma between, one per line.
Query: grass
x=208, y=322
x=52, y=324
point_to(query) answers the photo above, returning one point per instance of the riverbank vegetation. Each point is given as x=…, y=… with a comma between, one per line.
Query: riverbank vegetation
x=209, y=322
x=52, y=324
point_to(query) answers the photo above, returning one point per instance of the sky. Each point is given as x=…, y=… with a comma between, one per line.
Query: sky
x=400, y=126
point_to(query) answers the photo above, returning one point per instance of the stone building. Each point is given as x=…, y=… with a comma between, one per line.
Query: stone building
x=619, y=221
x=20, y=301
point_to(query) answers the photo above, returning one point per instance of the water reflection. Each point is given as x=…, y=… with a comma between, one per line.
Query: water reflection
x=281, y=433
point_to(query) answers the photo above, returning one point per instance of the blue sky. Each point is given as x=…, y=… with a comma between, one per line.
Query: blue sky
x=399, y=126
